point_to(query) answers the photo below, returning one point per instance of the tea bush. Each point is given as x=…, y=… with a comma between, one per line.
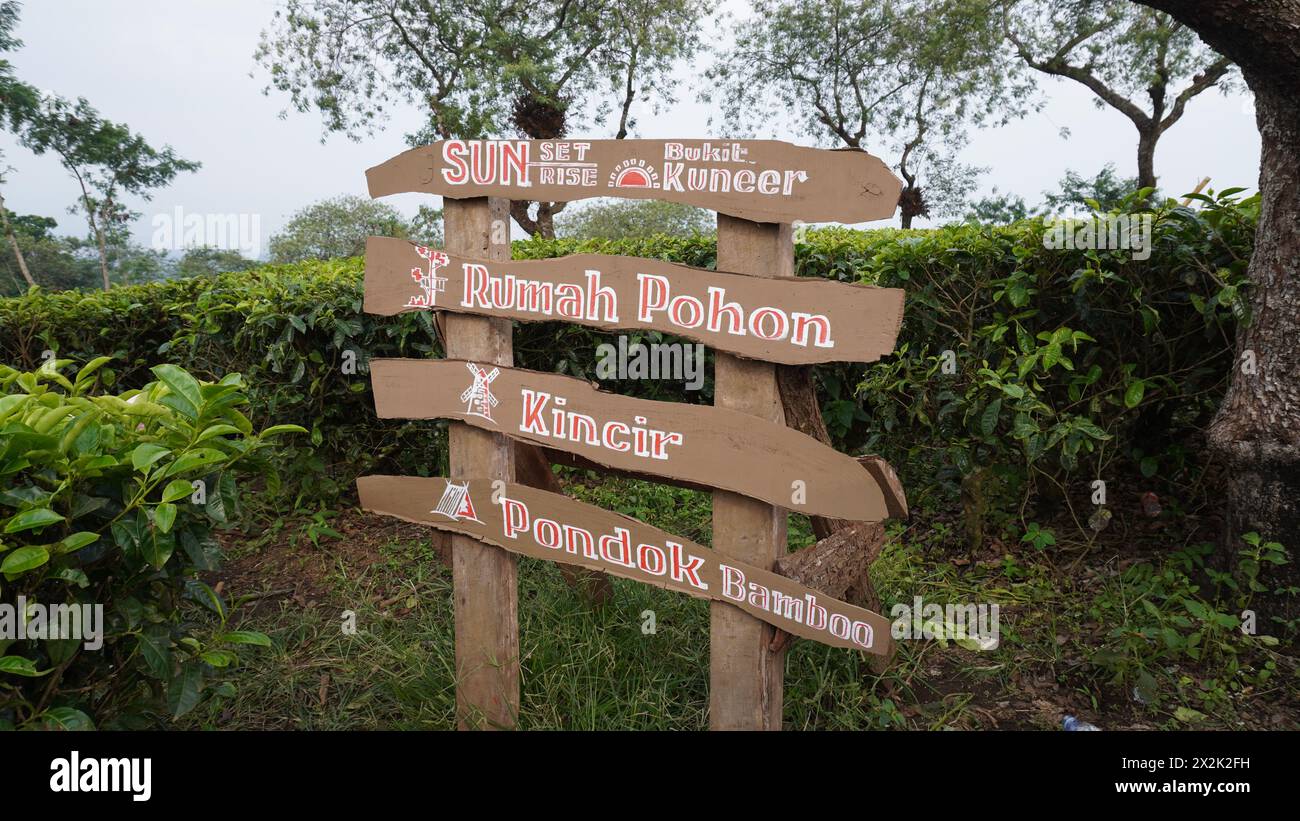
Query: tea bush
x=1083, y=362
x=100, y=505
x=1063, y=361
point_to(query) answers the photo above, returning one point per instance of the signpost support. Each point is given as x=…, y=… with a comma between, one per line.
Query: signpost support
x=486, y=586
x=745, y=674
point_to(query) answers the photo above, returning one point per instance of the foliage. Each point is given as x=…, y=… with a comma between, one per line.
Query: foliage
x=480, y=68
x=106, y=159
x=207, y=261
x=98, y=507
x=1032, y=397
x=60, y=263
x=998, y=208
x=1140, y=62
x=1107, y=192
x=1060, y=362
x=469, y=62
x=633, y=218
x=847, y=70
x=1074, y=194
x=1159, y=615
x=336, y=228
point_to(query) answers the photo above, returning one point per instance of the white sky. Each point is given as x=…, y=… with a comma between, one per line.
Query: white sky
x=178, y=72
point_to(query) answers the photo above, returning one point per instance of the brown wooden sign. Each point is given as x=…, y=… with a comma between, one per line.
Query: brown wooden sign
x=549, y=526
x=759, y=180
x=696, y=443
x=792, y=321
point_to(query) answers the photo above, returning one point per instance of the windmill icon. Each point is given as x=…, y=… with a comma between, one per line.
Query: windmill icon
x=478, y=397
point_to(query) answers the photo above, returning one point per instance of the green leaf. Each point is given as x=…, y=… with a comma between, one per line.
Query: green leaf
x=24, y=559
x=202, y=593
x=164, y=516
x=66, y=718
x=184, y=691
x=278, y=429
x=77, y=540
x=155, y=643
x=177, y=489
x=146, y=454
x=157, y=548
x=220, y=429
x=19, y=666
x=195, y=459
x=179, y=381
x=1133, y=395
x=989, y=419
x=73, y=575
x=89, y=369
x=246, y=637
x=32, y=519
x=218, y=658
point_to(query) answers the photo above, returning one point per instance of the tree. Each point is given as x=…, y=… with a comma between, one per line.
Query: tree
x=872, y=75
x=1256, y=432
x=13, y=238
x=208, y=261
x=106, y=159
x=1123, y=53
x=426, y=227
x=998, y=209
x=335, y=228
x=634, y=218
x=64, y=263
x=18, y=102
x=479, y=67
x=1106, y=189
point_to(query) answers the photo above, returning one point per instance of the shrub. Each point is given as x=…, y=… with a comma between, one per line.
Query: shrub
x=97, y=508
x=1065, y=360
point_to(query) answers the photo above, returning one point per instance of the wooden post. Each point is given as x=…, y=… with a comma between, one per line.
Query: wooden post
x=486, y=586
x=745, y=674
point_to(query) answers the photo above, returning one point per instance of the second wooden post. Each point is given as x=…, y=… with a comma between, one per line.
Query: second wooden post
x=745, y=675
x=485, y=577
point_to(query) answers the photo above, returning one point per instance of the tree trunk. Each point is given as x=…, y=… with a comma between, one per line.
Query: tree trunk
x=103, y=258
x=13, y=241
x=533, y=469
x=544, y=225
x=1257, y=429
x=1256, y=432
x=1147, y=138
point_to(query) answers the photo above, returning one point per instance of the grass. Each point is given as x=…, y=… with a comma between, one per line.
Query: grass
x=1111, y=640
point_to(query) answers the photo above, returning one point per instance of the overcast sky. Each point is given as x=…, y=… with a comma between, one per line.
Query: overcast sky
x=178, y=72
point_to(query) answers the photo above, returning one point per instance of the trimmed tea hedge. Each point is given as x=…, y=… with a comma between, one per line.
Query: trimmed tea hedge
x=1061, y=360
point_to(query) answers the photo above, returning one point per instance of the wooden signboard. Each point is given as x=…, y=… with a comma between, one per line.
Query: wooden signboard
x=549, y=526
x=794, y=321
x=759, y=180
x=704, y=445
x=752, y=310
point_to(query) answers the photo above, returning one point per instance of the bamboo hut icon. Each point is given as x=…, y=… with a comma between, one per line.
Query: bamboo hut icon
x=478, y=397
x=456, y=503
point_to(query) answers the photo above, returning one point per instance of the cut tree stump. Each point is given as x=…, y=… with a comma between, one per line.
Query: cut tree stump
x=839, y=563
